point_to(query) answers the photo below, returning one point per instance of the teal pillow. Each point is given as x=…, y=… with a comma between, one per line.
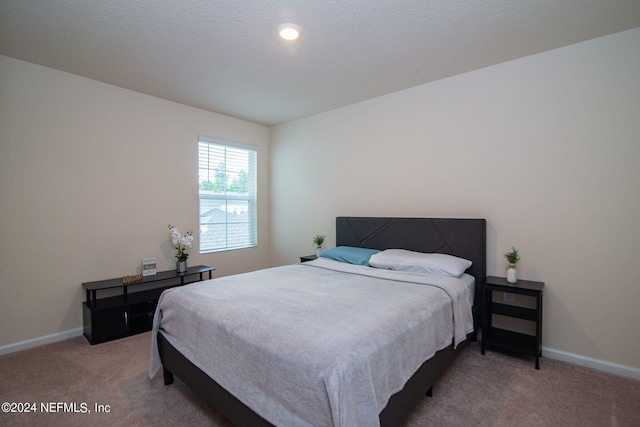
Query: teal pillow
x=349, y=254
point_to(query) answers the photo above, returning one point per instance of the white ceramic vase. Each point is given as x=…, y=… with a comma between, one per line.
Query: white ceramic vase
x=512, y=274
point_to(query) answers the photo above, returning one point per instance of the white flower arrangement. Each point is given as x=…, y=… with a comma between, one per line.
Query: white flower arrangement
x=181, y=242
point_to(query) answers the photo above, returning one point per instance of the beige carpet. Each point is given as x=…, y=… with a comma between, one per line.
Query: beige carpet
x=491, y=390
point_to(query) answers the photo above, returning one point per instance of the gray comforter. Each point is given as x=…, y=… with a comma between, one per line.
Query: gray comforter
x=321, y=343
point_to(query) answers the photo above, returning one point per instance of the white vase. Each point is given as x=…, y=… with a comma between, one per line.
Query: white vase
x=512, y=274
x=318, y=250
x=181, y=266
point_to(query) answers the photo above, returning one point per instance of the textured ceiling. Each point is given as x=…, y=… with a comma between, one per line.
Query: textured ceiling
x=224, y=56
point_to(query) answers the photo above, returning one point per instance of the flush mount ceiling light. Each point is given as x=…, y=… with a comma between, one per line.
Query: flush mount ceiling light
x=289, y=31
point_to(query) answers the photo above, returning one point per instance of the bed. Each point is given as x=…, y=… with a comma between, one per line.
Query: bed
x=372, y=370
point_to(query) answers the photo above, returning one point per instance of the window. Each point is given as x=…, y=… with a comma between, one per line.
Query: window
x=228, y=201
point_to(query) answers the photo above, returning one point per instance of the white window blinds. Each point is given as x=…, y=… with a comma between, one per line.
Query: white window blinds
x=228, y=196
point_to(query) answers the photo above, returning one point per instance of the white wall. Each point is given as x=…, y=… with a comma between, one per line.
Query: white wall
x=546, y=148
x=90, y=176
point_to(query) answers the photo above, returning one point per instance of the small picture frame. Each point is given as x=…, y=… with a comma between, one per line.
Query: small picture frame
x=148, y=267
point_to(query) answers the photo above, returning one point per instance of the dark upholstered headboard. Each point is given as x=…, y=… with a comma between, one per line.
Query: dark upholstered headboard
x=465, y=238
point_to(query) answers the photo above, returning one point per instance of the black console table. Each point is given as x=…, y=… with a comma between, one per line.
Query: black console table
x=115, y=310
x=509, y=340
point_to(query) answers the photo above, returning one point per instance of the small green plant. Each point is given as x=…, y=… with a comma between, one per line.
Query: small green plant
x=318, y=239
x=512, y=256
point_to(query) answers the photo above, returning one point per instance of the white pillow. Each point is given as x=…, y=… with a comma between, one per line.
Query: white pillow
x=418, y=262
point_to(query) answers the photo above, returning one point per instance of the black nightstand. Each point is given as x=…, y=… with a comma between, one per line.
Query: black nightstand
x=509, y=340
x=308, y=258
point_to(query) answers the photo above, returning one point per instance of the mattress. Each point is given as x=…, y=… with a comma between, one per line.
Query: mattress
x=319, y=343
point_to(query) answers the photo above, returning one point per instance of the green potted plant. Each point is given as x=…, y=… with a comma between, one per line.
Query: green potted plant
x=513, y=257
x=318, y=240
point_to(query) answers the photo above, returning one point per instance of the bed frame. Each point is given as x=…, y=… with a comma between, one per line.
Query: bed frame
x=465, y=238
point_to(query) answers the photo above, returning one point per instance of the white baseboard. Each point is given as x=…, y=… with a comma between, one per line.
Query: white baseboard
x=589, y=362
x=35, y=342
